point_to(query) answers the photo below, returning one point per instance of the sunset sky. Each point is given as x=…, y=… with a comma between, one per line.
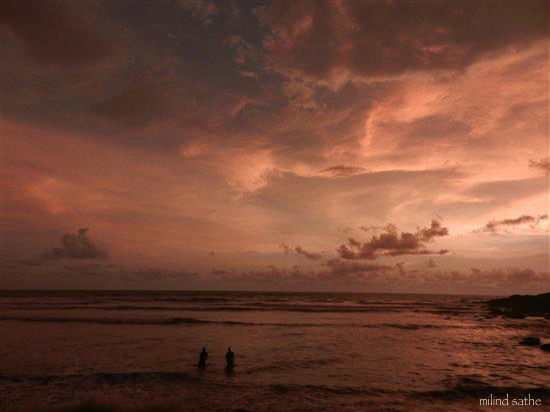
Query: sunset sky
x=324, y=146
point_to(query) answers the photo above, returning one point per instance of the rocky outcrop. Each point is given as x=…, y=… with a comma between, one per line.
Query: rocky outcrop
x=530, y=341
x=519, y=306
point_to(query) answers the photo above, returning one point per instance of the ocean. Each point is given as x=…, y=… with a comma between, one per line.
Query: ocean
x=112, y=350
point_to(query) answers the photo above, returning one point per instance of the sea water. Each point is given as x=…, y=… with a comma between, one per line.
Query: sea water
x=293, y=351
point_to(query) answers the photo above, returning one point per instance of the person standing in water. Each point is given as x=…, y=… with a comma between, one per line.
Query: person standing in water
x=229, y=359
x=202, y=358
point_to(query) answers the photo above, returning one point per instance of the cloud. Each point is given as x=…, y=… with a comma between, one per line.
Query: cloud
x=309, y=255
x=342, y=170
x=494, y=225
x=433, y=134
x=373, y=228
x=76, y=246
x=391, y=243
x=136, y=105
x=498, y=280
x=423, y=277
x=336, y=41
x=506, y=276
x=286, y=249
x=301, y=251
x=426, y=234
x=245, y=169
x=341, y=268
x=53, y=33
x=202, y=10
x=337, y=272
x=431, y=118
x=543, y=164
x=249, y=74
x=271, y=275
x=345, y=201
x=91, y=269
x=31, y=262
x=244, y=51
x=507, y=191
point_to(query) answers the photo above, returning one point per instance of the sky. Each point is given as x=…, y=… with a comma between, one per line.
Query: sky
x=312, y=146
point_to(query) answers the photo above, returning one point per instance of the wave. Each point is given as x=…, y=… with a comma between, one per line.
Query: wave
x=217, y=395
x=282, y=365
x=464, y=388
x=480, y=390
x=457, y=392
x=248, y=308
x=119, y=321
x=104, y=377
x=121, y=378
x=244, y=308
x=195, y=321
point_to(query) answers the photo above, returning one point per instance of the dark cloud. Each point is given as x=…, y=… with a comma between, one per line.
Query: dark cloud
x=373, y=228
x=156, y=273
x=342, y=170
x=76, y=246
x=147, y=273
x=423, y=276
x=272, y=275
x=202, y=10
x=543, y=164
x=336, y=271
x=244, y=51
x=391, y=243
x=309, y=255
x=426, y=234
x=54, y=33
x=286, y=249
x=503, y=276
x=494, y=225
x=341, y=268
x=322, y=39
x=363, y=274
x=90, y=269
x=137, y=105
x=301, y=251
x=31, y=262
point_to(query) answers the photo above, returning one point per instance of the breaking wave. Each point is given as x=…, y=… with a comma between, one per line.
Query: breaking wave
x=195, y=321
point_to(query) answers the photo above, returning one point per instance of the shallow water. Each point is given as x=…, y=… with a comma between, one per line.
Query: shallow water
x=294, y=351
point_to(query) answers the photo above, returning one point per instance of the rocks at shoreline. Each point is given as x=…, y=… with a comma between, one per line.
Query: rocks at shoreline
x=530, y=341
x=519, y=306
x=534, y=341
x=514, y=315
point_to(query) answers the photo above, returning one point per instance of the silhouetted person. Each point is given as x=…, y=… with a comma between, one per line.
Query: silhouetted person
x=202, y=358
x=229, y=359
